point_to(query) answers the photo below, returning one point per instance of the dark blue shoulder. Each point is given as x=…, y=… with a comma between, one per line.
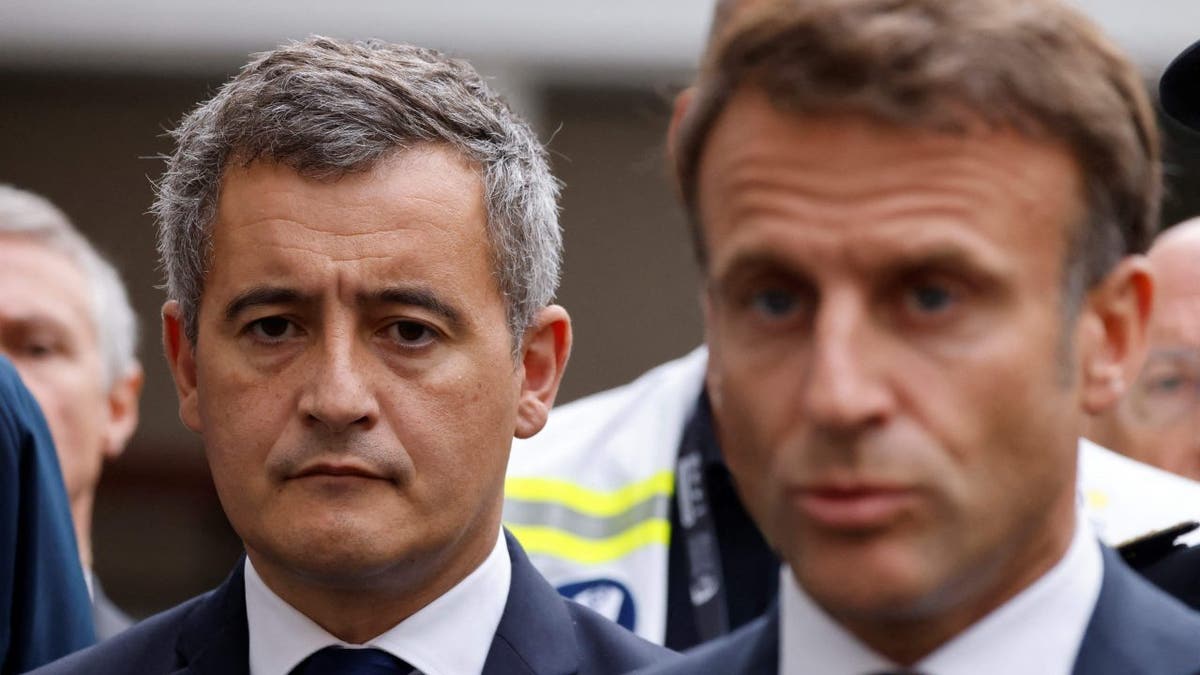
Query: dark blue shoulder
x=1137, y=628
x=603, y=642
x=752, y=649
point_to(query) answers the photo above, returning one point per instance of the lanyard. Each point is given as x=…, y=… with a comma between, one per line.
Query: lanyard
x=706, y=587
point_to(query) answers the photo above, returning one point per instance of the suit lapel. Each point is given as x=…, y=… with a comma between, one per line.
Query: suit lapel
x=214, y=639
x=1136, y=629
x=759, y=652
x=536, y=634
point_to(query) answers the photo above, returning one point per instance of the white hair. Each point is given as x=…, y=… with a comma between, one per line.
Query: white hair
x=25, y=214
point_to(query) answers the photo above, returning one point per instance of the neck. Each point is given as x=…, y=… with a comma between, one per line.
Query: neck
x=907, y=638
x=357, y=610
x=81, y=518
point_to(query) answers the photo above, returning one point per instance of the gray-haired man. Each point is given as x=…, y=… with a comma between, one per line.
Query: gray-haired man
x=66, y=323
x=362, y=246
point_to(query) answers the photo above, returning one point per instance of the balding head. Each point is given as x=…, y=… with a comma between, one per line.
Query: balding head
x=1158, y=421
x=1175, y=257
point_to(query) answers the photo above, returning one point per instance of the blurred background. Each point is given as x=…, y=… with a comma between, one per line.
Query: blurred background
x=88, y=90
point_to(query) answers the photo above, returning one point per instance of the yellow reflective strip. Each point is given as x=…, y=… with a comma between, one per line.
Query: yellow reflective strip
x=590, y=502
x=549, y=541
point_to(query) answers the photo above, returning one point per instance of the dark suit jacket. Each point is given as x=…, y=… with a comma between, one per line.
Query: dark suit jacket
x=539, y=632
x=1134, y=630
x=44, y=612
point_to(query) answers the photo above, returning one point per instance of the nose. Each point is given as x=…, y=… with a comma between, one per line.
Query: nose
x=846, y=389
x=338, y=393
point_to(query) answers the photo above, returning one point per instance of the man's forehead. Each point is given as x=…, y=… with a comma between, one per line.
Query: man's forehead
x=42, y=288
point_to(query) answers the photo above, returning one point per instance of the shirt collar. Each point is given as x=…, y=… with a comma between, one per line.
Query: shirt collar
x=1038, y=631
x=451, y=635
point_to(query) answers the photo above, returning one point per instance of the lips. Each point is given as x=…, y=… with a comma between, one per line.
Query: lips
x=335, y=470
x=853, y=507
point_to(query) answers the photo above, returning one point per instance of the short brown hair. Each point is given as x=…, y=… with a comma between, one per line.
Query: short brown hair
x=1036, y=66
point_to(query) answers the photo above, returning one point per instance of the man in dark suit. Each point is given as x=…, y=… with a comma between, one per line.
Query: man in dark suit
x=920, y=225
x=362, y=248
x=42, y=592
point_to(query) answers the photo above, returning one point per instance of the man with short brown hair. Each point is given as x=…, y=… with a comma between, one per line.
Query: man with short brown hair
x=920, y=226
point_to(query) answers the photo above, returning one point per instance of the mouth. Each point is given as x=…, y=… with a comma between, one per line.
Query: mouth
x=331, y=470
x=853, y=507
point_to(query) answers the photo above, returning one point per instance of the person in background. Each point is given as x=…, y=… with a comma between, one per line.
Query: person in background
x=362, y=247
x=42, y=592
x=920, y=226
x=67, y=325
x=1158, y=421
x=1173, y=568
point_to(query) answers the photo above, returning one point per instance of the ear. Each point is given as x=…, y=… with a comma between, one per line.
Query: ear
x=1114, y=325
x=543, y=359
x=683, y=102
x=123, y=411
x=182, y=361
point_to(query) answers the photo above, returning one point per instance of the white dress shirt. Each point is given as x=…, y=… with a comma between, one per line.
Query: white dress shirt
x=1037, y=632
x=450, y=636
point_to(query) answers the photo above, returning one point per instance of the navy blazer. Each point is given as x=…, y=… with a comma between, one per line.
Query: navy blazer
x=44, y=608
x=539, y=633
x=1135, y=629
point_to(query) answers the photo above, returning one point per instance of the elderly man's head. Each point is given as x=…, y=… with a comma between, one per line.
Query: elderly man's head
x=361, y=243
x=66, y=323
x=1158, y=421
x=917, y=223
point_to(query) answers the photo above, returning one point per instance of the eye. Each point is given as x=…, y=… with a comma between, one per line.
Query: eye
x=775, y=303
x=929, y=298
x=410, y=334
x=1167, y=384
x=271, y=329
x=37, y=350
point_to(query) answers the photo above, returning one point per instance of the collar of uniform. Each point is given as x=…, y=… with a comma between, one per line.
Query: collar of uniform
x=1037, y=631
x=450, y=635
x=700, y=434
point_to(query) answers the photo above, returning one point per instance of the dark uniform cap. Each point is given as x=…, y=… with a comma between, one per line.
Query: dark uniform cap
x=1179, y=88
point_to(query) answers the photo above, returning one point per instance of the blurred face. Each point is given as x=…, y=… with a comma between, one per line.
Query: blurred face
x=884, y=315
x=47, y=330
x=1158, y=422
x=353, y=378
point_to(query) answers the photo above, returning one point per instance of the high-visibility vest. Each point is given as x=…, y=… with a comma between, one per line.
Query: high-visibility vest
x=589, y=497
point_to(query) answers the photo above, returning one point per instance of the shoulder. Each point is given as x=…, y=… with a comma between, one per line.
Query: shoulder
x=606, y=647
x=1137, y=628
x=148, y=647
x=751, y=649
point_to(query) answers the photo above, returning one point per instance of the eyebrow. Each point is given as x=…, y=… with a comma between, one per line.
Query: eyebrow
x=258, y=296
x=392, y=295
x=943, y=258
x=413, y=297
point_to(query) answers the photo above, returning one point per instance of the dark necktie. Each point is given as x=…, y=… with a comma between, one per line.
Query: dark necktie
x=342, y=661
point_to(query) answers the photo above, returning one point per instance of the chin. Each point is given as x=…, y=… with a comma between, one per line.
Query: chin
x=866, y=585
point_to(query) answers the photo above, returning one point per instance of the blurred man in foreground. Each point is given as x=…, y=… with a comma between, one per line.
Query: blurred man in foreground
x=626, y=504
x=67, y=325
x=362, y=247
x=919, y=225
x=1158, y=421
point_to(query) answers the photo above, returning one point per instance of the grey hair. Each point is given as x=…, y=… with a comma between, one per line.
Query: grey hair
x=27, y=215
x=327, y=108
